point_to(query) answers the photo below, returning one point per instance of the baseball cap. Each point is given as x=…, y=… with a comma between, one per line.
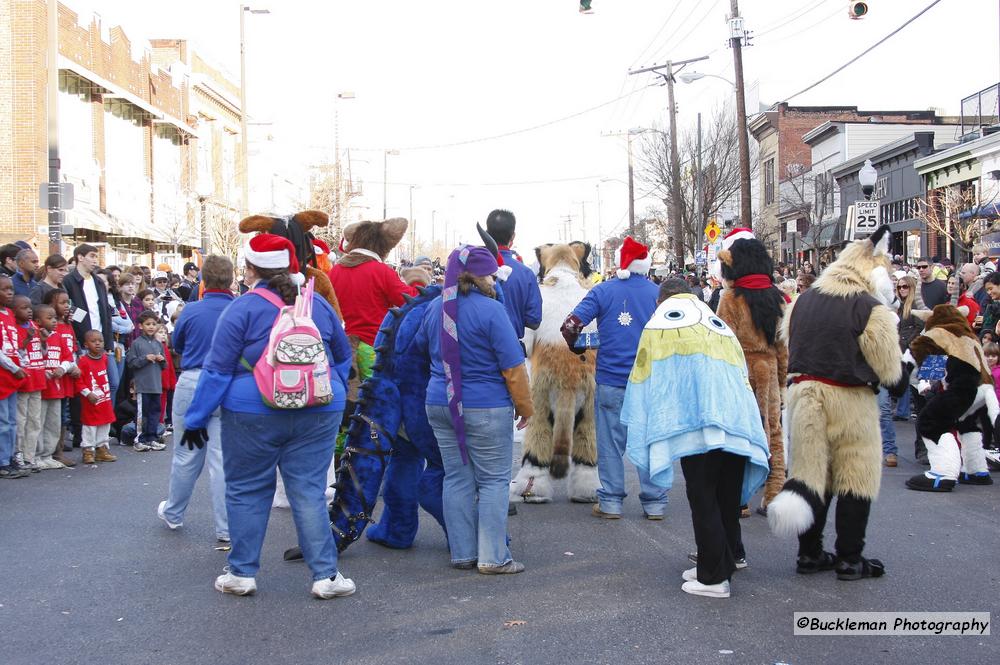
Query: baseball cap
x=158, y=275
x=189, y=266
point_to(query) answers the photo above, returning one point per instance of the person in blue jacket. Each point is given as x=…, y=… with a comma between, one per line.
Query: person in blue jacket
x=622, y=307
x=521, y=297
x=256, y=439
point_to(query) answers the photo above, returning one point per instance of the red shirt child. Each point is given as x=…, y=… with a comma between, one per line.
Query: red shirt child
x=10, y=382
x=93, y=385
x=30, y=345
x=58, y=358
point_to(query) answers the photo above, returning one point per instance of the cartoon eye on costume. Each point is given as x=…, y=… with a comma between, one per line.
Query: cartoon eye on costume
x=715, y=324
x=676, y=313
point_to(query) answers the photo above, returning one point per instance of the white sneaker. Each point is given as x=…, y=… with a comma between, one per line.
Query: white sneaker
x=157, y=445
x=140, y=447
x=696, y=588
x=690, y=575
x=333, y=587
x=236, y=585
x=49, y=464
x=159, y=513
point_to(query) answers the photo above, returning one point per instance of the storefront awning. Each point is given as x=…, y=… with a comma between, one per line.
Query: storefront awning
x=90, y=219
x=988, y=211
x=904, y=225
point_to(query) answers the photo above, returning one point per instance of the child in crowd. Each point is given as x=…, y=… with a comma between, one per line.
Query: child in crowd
x=57, y=359
x=96, y=409
x=11, y=377
x=58, y=299
x=29, y=396
x=146, y=360
x=126, y=415
x=169, y=380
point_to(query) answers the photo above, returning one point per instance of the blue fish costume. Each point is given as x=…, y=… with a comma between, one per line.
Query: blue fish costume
x=689, y=398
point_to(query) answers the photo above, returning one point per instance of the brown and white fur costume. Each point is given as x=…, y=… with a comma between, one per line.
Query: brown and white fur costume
x=834, y=438
x=755, y=316
x=561, y=436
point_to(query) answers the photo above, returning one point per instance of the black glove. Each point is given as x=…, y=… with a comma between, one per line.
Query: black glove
x=194, y=438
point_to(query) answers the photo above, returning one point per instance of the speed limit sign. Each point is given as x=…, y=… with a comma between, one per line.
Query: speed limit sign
x=865, y=217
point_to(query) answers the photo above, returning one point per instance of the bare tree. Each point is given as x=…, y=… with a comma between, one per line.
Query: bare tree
x=807, y=197
x=720, y=172
x=224, y=233
x=942, y=211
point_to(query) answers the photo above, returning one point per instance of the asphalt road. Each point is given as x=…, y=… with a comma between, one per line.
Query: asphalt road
x=92, y=576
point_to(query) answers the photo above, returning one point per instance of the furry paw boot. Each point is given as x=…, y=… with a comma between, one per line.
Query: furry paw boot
x=583, y=483
x=855, y=570
x=981, y=478
x=930, y=482
x=531, y=485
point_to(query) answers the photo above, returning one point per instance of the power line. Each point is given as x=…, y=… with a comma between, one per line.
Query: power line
x=863, y=53
x=488, y=184
x=666, y=42
x=513, y=132
x=696, y=25
x=651, y=41
x=777, y=25
x=805, y=30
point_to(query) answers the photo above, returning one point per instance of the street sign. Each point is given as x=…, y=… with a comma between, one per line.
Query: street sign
x=699, y=258
x=712, y=231
x=713, y=251
x=63, y=189
x=791, y=226
x=865, y=217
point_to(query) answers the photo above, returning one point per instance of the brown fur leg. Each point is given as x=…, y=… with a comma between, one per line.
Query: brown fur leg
x=562, y=432
x=809, y=441
x=585, y=434
x=855, y=442
x=764, y=381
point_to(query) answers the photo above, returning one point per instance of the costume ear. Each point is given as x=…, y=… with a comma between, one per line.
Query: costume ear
x=394, y=229
x=922, y=314
x=880, y=239
x=258, y=223
x=580, y=250
x=726, y=257
x=308, y=219
x=964, y=309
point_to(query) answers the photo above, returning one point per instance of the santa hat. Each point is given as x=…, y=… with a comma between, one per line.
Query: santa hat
x=736, y=234
x=320, y=247
x=273, y=252
x=633, y=257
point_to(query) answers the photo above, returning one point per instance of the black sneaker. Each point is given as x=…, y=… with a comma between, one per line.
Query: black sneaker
x=807, y=565
x=741, y=562
x=10, y=473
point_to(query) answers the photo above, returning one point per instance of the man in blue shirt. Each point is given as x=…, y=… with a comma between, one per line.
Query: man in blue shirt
x=24, y=278
x=192, y=339
x=622, y=308
x=521, y=297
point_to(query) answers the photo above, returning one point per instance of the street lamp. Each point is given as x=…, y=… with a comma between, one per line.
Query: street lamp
x=691, y=77
x=868, y=176
x=385, y=179
x=244, y=139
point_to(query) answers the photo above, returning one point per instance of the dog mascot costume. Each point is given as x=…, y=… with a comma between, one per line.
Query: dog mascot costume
x=752, y=307
x=297, y=228
x=842, y=343
x=561, y=436
x=960, y=413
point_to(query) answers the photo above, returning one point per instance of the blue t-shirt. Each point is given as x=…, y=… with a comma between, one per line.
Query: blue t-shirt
x=192, y=336
x=487, y=344
x=521, y=297
x=622, y=308
x=242, y=333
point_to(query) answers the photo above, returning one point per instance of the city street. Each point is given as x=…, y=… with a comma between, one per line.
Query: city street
x=95, y=577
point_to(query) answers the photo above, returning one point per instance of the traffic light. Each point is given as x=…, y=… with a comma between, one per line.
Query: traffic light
x=857, y=9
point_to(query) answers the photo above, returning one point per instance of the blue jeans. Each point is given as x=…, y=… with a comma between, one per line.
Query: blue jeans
x=885, y=422
x=611, y=439
x=301, y=446
x=114, y=376
x=903, y=406
x=8, y=427
x=187, y=464
x=477, y=529
x=150, y=403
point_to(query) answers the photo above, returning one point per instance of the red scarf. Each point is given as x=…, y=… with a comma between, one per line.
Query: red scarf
x=756, y=282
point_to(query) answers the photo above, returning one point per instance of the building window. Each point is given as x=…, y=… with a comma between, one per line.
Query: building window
x=769, y=182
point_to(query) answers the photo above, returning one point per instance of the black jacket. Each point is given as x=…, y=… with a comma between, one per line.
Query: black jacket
x=73, y=283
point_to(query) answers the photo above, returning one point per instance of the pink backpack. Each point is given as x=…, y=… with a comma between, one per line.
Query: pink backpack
x=293, y=372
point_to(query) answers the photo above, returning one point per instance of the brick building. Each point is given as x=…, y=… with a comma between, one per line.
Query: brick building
x=782, y=152
x=128, y=137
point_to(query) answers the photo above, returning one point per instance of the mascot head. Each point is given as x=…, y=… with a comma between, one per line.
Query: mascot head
x=862, y=267
x=583, y=250
x=947, y=333
x=376, y=237
x=572, y=256
x=746, y=268
x=297, y=229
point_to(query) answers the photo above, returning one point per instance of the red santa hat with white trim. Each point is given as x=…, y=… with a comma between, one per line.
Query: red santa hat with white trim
x=274, y=252
x=633, y=257
x=737, y=234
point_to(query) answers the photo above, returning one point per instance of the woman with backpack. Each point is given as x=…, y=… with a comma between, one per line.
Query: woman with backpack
x=264, y=425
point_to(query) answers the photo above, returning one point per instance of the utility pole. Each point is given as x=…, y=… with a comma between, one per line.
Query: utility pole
x=52, y=93
x=674, y=208
x=737, y=34
x=699, y=197
x=413, y=228
x=631, y=187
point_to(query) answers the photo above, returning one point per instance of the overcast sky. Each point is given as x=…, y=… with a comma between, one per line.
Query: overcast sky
x=445, y=71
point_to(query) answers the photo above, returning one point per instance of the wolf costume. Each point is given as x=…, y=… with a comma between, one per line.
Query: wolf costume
x=961, y=413
x=842, y=343
x=561, y=436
